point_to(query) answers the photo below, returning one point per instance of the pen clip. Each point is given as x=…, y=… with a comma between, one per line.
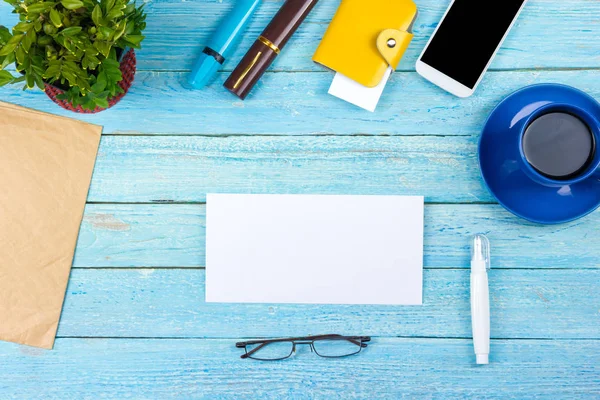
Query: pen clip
x=247, y=70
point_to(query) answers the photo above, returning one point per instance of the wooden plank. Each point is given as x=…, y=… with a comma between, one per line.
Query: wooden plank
x=549, y=34
x=529, y=304
x=388, y=368
x=185, y=168
x=127, y=235
x=298, y=104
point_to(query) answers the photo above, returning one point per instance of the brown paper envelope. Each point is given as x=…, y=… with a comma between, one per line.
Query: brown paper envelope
x=31, y=110
x=46, y=165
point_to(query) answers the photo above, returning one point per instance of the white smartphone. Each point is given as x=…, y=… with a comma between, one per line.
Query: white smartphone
x=465, y=42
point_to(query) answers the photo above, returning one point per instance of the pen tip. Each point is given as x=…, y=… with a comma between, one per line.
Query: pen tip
x=480, y=249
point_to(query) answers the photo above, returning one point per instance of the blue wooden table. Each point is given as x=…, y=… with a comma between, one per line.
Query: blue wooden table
x=135, y=324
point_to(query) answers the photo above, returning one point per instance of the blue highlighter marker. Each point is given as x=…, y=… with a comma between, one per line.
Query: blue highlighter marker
x=222, y=44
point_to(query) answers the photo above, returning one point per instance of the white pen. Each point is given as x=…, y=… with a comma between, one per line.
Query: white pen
x=480, y=297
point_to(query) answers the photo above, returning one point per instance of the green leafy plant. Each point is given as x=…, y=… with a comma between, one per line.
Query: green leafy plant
x=71, y=44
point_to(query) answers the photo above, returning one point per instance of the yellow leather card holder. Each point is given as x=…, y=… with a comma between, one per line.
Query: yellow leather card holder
x=366, y=37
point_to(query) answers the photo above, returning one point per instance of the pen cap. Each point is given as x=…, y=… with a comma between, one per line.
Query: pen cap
x=268, y=45
x=287, y=20
x=480, y=252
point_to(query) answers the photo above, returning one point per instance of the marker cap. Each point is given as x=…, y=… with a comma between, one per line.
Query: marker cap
x=205, y=69
x=480, y=252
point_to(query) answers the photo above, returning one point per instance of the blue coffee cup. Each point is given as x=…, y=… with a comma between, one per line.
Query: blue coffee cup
x=585, y=127
x=539, y=153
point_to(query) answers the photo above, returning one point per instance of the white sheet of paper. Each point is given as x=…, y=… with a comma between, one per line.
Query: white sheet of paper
x=357, y=94
x=313, y=249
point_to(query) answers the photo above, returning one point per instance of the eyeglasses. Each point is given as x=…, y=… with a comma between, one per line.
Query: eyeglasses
x=328, y=346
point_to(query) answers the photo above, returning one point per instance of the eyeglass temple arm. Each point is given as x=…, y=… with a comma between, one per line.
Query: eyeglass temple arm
x=360, y=341
x=292, y=339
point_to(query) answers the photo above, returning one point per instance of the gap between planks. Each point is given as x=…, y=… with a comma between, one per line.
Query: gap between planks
x=433, y=338
x=282, y=136
x=200, y=268
x=403, y=70
x=203, y=203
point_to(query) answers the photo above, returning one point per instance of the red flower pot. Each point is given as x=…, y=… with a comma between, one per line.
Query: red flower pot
x=128, y=67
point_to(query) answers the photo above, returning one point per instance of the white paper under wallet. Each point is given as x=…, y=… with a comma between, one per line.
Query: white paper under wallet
x=357, y=94
x=314, y=249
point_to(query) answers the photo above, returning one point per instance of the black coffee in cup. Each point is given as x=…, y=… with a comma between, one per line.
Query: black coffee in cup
x=559, y=145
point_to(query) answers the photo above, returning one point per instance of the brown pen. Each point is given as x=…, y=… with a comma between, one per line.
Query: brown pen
x=268, y=46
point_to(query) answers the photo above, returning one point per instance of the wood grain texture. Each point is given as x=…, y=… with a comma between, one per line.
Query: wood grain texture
x=126, y=235
x=298, y=104
x=388, y=369
x=170, y=303
x=133, y=331
x=186, y=168
x=550, y=33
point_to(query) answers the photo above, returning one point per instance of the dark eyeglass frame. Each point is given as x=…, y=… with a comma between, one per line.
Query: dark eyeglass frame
x=360, y=341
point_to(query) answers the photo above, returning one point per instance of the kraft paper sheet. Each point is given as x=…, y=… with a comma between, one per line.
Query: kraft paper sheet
x=46, y=165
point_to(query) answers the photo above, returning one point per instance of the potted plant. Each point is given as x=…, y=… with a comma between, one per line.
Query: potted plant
x=80, y=52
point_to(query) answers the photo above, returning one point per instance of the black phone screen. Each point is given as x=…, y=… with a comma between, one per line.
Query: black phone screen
x=468, y=37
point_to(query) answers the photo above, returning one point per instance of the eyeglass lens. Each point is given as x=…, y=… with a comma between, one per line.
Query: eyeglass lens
x=270, y=351
x=336, y=348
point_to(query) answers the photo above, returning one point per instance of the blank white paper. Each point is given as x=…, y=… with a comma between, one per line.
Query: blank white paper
x=357, y=94
x=314, y=249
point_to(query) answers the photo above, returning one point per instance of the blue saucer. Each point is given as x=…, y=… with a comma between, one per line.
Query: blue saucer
x=500, y=158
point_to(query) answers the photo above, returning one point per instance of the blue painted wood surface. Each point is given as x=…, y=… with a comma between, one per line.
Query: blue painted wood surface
x=135, y=324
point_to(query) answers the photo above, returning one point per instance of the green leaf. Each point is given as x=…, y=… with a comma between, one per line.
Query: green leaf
x=107, y=32
x=130, y=8
x=28, y=40
x=5, y=78
x=5, y=35
x=22, y=27
x=130, y=29
x=10, y=46
x=16, y=39
x=39, y=8
x=90, y=61
x=20, y=55
x=101, y=81
x=45, y=40
x=7, y=49
x=100, y=85
x=39, y=82
x=134, y=40
x=9, y=59
x=114, y=14
x=101, y=102
x=108, y=5
x=68, y=32
x=55, y=18
x=120, y=30
x=103, y=47
x=53, y=71
x=97, y=15
x=30, y=81
x=71, y=4
x=19, y=79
